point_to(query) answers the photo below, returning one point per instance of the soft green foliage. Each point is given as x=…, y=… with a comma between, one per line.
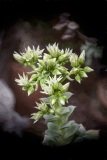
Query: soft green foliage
x=49, y=71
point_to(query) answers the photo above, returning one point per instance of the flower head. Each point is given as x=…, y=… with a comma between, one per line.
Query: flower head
x=29, y=57
x=27, y=84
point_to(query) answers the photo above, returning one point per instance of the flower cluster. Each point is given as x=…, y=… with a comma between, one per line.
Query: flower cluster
x=29, y=57
x=50, y=72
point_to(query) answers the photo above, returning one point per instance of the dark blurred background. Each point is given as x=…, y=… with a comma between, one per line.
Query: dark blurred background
x=91, y=15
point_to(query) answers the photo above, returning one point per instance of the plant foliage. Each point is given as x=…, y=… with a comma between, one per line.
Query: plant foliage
x=50, y=72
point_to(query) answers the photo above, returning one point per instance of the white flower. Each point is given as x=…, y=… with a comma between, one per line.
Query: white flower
x=29, y=57
x=23, y=80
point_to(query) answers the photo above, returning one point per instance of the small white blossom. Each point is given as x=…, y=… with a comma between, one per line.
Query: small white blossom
x=23, y=80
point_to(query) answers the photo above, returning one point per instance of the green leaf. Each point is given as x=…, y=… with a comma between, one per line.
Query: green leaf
x=51, y=118
x=71, y=109
x=65, y=112
x=88, y=69
x=74, y=60
x=69, y=129
x=53, y=101
x=63, y=58
x=82, y=57
x=45, y=100
x=30, y=90
x=68, y=94
x=49, y=140
x=66, y=86
x=81, y=130
x=83, y=74
x=33, y=77
x=56, y=72
x=18, y=57
x=36, y=116
x=62, y=100
x=69, y=78
x=92, y=134
x=78, y=78
x=52, y=126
